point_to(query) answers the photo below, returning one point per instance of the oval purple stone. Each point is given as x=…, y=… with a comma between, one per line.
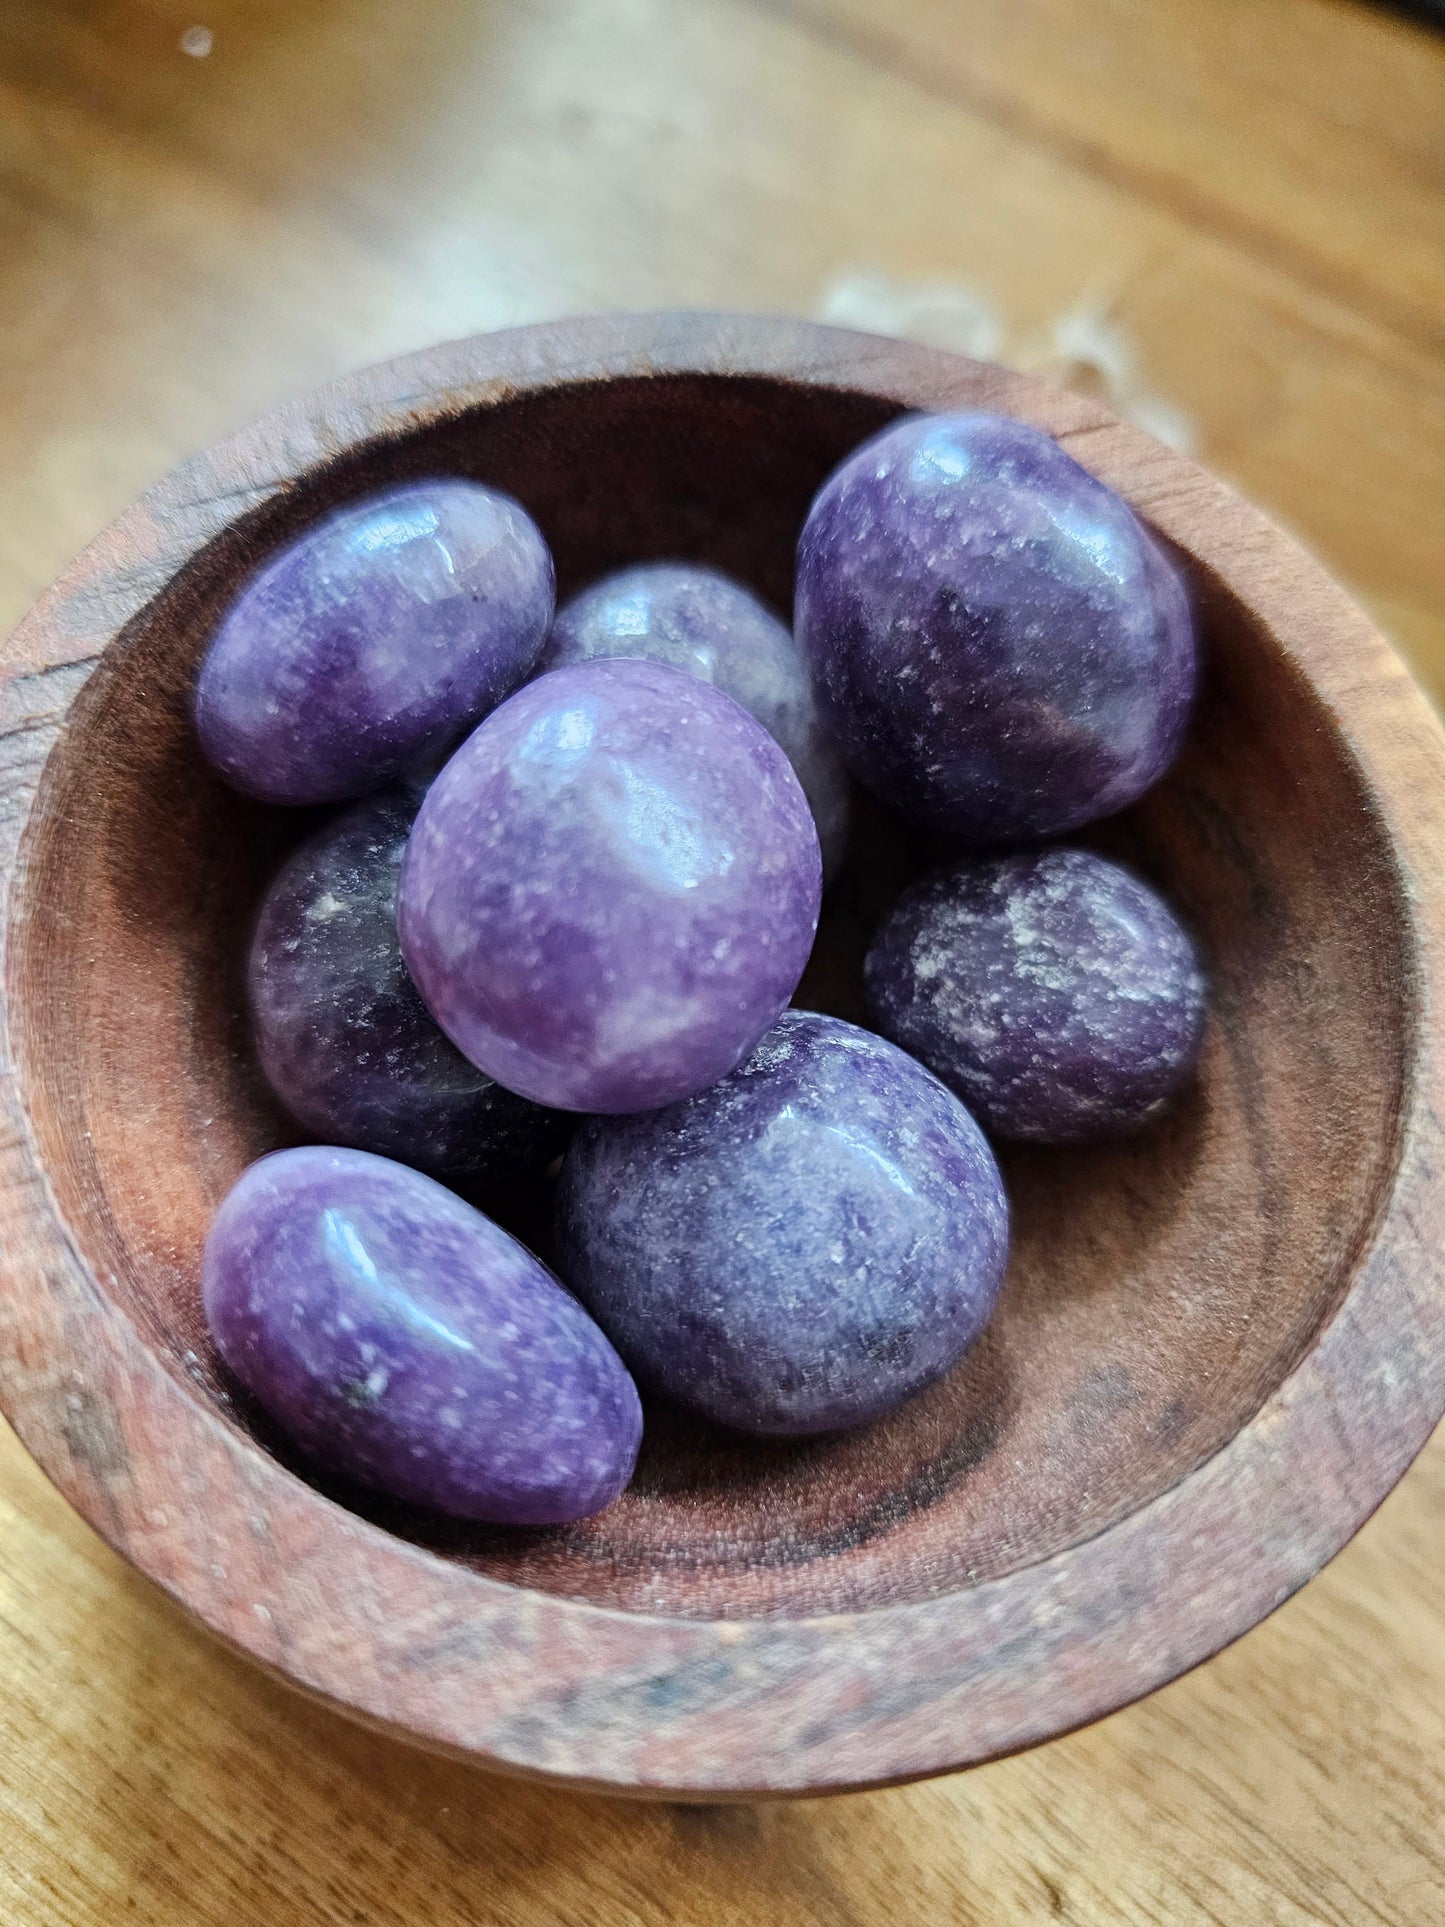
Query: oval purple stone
x=1000, y=648
x=341, y=1030
x=803, y=1246
x=373, y=642
x=704, y=623
x=1057, y=994
x=409, y=1343
x=612, y=888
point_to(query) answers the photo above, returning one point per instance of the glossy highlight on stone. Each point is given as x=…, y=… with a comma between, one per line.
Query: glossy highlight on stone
x=612, y=888
x=369, y=645
x=407, y=1342
x=701, y=621
x=341, y=1030
x=799, y=1248
x=1056, y=993
x=1001, y=649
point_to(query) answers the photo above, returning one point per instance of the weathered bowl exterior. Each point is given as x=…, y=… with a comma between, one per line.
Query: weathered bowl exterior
x=1220, y=1344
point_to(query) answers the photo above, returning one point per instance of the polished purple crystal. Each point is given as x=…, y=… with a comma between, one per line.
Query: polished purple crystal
x=1056, y=993
x=373, y=642
x=798, y=1248
x=344, y=1038
x=705, y=623
x=612, y=888
x=409, y=1343
x=999, y=646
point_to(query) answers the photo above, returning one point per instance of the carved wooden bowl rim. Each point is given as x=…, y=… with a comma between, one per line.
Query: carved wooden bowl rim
x=546, y=1685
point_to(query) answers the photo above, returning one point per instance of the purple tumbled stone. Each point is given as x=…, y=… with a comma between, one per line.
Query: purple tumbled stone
x=1000, y=648
x=612, y=888
x=710, y=626
x=799, y=1248
x=407, y=1342
x=342, y=1033
x=1057, y=994
x=374, y=641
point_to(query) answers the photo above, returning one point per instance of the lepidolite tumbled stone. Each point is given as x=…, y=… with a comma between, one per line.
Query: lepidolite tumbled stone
x=369, y=645
x=612, y=888
x=1057, y=994
x=343, y=1036
x=409, y=1343
x=799, y=1248
x=703, y=622
x=1000, y=648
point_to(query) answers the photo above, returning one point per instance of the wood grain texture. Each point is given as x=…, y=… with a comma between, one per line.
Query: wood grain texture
x=189, y=241
x=1215, y=1355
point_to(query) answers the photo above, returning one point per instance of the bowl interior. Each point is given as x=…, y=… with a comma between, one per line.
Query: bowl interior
x=1160, y=1287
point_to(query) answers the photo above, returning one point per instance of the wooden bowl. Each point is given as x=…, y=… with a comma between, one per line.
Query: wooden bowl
x=1220, y=1344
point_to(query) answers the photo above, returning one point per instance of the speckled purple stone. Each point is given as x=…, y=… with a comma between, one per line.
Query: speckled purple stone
x=799, y=1248
x=705, y=623
x=343, y=1036
x=612, y=888
x=1057, y=994
x=371, y=644
x=409, y=1343
x=999, y=647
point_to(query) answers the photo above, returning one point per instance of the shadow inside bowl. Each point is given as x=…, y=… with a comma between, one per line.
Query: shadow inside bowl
x=1161, y=1287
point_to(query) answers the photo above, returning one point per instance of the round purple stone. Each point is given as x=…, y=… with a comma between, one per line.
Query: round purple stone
x=1057, y=994
x=999, y=646
x=344, y=1038
x=710, y=626
x=799, y=1248
x=372, y=643
x=612, y=888
x=409, y=1343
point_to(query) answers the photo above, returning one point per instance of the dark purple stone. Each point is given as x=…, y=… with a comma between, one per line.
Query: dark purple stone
x=799, y=1248
x=343, y=1035
x=409, y=1343
x=704, y=623
x=1057, y=994
x=373, y=642
x=1000, y=648
x=612, y=888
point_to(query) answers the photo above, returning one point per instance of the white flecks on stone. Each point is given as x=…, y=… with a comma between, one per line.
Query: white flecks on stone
x=1057, y=994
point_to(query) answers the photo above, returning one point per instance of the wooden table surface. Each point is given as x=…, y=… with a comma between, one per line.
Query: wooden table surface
x=1230, y=214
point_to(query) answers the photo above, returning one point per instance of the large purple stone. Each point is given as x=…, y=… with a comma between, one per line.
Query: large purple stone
x=799, y=1248
x=409, y=1343
x=704, y=623
x=343, y=1035
x=998, y=645
x=612, y=888
x=371, y=644
x=1057, y=994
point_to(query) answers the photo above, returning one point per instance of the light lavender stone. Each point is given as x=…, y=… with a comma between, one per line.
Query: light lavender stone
x=799, y=1248
x=703, y=622
x=1000, y=648
x=369, y=646
x=1057, y=994
x=407, y=1342
x=612, y=888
